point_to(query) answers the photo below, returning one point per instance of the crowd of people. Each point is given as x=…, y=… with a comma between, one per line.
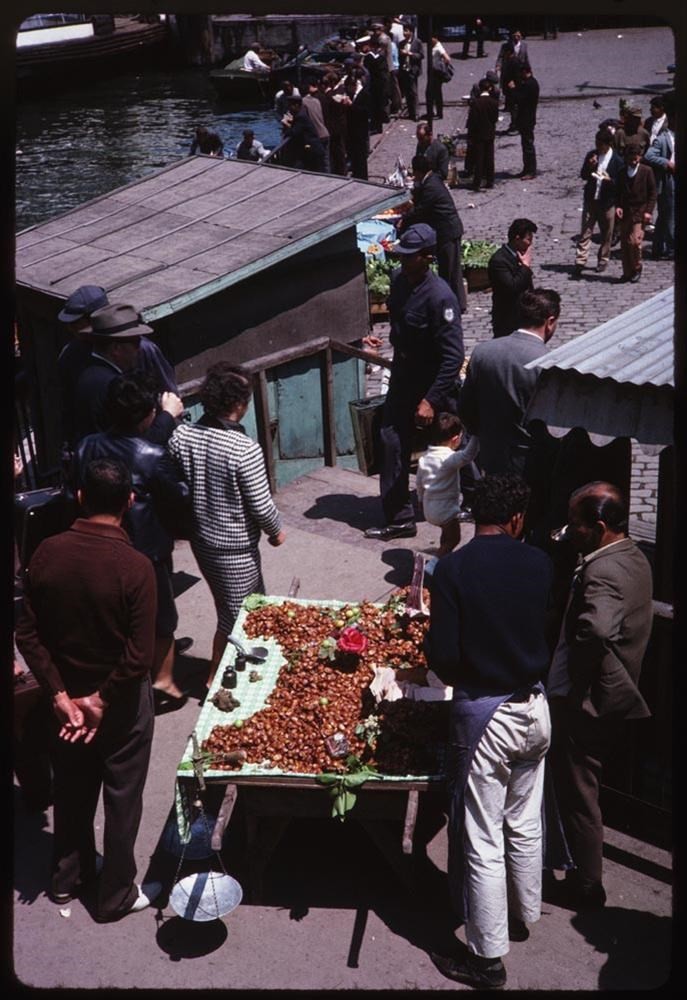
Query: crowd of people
x=533, y=682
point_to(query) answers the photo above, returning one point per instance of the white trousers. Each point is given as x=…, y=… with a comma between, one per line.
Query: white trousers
x=503, y=835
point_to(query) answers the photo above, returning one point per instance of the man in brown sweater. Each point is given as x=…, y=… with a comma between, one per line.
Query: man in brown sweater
x=635, y=207
x=88, y=634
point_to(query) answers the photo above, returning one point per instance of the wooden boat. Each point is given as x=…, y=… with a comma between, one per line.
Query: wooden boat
x=57, y=48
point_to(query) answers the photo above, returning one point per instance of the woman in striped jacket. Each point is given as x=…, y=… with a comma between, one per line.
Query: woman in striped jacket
x=230, y=494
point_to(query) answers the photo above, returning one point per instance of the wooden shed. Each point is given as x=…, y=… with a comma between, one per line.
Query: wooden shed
x=226, y=259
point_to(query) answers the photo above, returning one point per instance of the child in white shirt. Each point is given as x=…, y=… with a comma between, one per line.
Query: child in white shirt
x=437, y=478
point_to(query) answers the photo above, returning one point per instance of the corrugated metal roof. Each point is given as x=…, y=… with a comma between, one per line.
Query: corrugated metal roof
x=636, y=346
x=190, y=230
x=615, y=381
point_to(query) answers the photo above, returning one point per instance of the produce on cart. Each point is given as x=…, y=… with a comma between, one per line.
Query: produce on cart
x=321, y=713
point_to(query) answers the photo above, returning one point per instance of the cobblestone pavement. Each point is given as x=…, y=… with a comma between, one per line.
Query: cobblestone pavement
x=575, y=72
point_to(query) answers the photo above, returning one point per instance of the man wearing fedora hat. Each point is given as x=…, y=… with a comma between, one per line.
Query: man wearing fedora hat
x=76, y=354
x=115, y=333
x=427, y=338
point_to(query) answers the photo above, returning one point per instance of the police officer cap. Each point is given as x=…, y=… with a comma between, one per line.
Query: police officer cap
x=416, y=238
x=83, y=302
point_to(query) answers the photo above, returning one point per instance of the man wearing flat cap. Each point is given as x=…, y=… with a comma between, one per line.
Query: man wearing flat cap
x=631, y=128
x=427, y=338
x=115, y=334
x=635, y=206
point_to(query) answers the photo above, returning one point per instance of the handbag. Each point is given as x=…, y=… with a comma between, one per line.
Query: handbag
x=445, y=72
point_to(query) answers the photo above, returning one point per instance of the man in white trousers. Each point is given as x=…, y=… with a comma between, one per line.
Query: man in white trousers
x=486, y=639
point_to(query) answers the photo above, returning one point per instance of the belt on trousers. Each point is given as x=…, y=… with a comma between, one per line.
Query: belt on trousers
x=523, y=695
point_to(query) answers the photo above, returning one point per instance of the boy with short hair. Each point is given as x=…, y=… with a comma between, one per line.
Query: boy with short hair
x=437, y=478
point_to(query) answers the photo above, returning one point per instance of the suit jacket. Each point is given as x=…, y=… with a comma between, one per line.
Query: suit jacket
x=411, y=66
x=437, y=157
x=661, y=150
x=509, y=279
x=607, y=194
x=607, y=628
x=433, y=204
x=482, y=118
x=637, y=195
x=495, y=396
x=527, y=98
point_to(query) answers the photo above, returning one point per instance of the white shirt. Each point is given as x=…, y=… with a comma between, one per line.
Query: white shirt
x=602, y=165
x=438, y=51
x=396, y=32
x=631, y=171
x=437, y=480
x=656, y=126
x=253, y=63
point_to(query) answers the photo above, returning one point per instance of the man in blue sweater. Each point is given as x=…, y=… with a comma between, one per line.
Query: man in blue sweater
x=486, y=638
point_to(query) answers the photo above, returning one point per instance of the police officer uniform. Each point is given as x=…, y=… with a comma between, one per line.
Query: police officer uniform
x=427, y=338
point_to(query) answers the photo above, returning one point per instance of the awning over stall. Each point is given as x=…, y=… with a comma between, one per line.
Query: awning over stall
x=617, y=380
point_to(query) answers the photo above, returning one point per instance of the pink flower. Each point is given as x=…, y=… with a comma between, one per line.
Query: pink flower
x=352, y=640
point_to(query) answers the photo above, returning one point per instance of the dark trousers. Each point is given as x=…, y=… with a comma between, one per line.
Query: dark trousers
x=449, y=268
x=357, y=156
x=396, y=433
x=579, y=746
x=435, y=96
x=408, y=85
x=482, y=159
x=529, y=153
x=337, y=154
x=116, y=761
x=664, y=230
x=471, y=33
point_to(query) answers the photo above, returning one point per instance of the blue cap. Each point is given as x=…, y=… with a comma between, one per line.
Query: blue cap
x=416, y=238
x=83, y=302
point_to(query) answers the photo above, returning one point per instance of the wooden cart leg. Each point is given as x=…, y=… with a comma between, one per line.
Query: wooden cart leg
x=223, y=817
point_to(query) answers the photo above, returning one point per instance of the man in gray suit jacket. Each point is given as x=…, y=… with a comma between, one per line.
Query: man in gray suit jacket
x=661, y=158
x=498, y=387
x=594, y=675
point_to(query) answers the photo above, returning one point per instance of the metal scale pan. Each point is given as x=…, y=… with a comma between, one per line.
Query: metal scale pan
x=205, y=896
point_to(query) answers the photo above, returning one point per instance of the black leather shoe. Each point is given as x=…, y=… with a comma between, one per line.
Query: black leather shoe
x=61, y=898
x=181, y=645
x=517, y=929
x=408, y=530
x=487, y=973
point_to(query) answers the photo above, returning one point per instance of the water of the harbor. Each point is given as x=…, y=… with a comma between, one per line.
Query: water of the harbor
x=81, y=143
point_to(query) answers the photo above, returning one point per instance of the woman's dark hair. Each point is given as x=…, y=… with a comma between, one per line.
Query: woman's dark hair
x=225, y=387
x=445, y=426
x=106, y=486
x=496, y=499
x=599, y=501
x=536, y=306
x=129, y=399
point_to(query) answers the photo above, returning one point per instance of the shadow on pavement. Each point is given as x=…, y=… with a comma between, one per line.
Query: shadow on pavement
x=32, y=851
x=357, y=512
x=181, y=582
x=637, y=944
x=401, y=562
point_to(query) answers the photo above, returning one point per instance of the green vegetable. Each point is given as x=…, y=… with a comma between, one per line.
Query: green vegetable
x=476, y=253
x=254, y=601
x=341, y=787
